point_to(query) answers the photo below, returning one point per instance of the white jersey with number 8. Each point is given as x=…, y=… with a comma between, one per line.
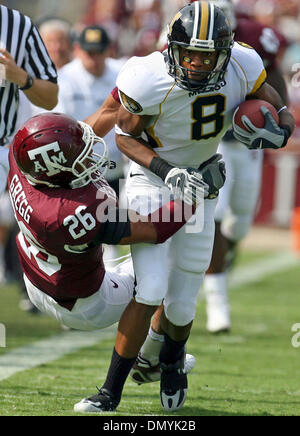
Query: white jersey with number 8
x=186, y=127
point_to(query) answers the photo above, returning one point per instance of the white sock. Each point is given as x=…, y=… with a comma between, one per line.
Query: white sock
x=151, y=347
x=215, y=283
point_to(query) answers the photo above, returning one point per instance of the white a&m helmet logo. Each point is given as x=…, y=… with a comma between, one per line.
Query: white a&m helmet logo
x=56, y=157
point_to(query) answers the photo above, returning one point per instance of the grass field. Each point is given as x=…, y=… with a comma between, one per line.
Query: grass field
x=253, y=371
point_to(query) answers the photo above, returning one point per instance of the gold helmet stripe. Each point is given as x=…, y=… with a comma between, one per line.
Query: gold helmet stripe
x=177, y=16
x=205, y=13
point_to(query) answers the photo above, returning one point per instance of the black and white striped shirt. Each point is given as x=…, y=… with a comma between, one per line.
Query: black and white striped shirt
x=20, y=37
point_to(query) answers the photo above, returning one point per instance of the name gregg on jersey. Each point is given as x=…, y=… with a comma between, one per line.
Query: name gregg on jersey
x=19, y=199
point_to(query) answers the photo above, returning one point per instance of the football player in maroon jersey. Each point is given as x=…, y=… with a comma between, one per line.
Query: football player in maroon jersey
x=65, y=210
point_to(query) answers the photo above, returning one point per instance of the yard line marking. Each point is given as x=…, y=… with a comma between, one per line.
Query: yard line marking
x=257, y=271
x=47, y=350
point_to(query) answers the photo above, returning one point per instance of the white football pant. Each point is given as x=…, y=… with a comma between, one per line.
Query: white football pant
x=172, y=271
x=100, y=310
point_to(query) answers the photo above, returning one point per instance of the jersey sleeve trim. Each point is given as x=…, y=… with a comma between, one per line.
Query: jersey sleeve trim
x=150, y=131
x=115, y=94
x=260, y=81
x=153, y=140
x=243, y=71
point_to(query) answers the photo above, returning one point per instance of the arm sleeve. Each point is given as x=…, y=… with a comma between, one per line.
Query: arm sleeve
x=167, y=220
x=139, y=88
x=111, y=232
x=170, y=218
x=115, y=94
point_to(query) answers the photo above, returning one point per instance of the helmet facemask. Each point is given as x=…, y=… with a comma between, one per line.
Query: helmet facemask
x=214, y=79
x=90, y=166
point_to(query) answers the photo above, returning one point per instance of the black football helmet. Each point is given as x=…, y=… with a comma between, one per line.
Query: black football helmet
x=200, y=26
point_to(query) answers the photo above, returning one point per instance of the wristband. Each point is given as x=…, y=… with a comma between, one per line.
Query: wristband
x=28, y=84
x=282, y=109
x=160, y=167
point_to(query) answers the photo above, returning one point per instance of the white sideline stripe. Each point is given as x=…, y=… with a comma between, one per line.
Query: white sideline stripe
x=261, y=269
x=47, y=350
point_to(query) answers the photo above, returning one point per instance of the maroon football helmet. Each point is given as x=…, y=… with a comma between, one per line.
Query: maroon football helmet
x=54, y=149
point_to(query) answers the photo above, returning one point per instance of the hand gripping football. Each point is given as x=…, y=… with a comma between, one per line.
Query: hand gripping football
x=251, y=108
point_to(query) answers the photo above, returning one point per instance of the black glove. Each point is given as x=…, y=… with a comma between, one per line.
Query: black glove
x=214, y=174
x=270, y=136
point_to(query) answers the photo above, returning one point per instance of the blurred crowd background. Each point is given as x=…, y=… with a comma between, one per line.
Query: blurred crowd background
x=135, y=25
x=135, y=28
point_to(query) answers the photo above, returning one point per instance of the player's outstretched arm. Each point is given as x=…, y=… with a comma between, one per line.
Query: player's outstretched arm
x=128, y=137
x=160, y=225
x=105, y=118
x=131, y=228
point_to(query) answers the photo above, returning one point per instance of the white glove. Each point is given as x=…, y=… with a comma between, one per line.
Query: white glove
x=187, y=184
x=270, y=136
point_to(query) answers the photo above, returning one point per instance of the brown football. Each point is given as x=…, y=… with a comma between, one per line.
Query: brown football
x=251, y=108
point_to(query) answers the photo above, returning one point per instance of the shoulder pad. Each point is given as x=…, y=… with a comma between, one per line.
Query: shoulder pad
x=143, y=83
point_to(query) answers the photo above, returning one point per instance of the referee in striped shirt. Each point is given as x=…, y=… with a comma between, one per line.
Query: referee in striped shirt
x=24, y=65
x=27, y=67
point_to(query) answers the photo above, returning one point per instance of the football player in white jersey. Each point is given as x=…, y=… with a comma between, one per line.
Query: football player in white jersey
x=176, y=106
